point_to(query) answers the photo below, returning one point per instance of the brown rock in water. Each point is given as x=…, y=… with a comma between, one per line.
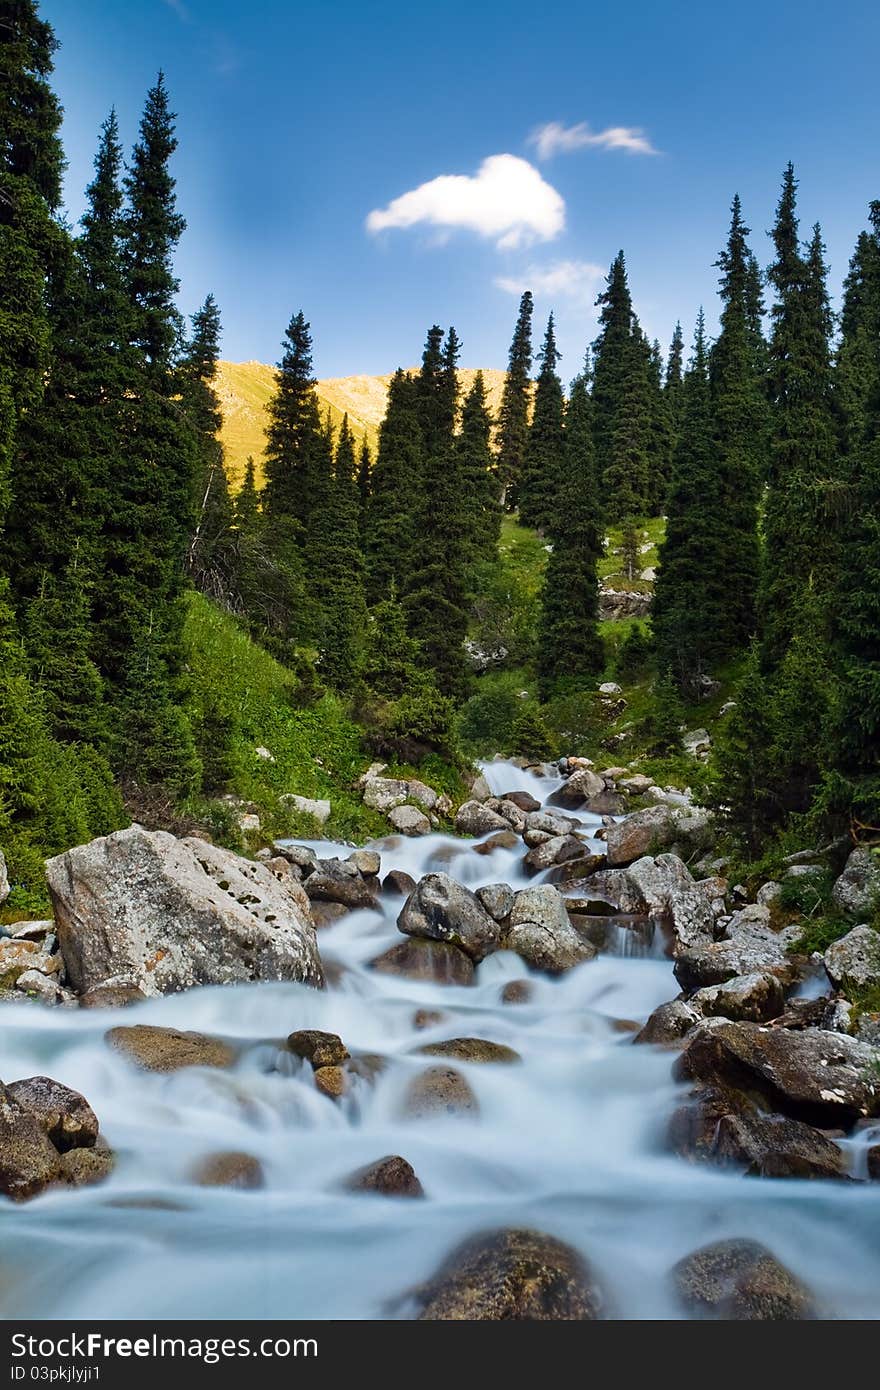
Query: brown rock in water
x=390, y=1177
x=327, y=914
x=111, y=997
x=517, y=992
x=167, y=1049
x=441, y=909
x=398, y=882
x=823, y=1078
x=471, y=1050
x=66, y=1116
x=524, y=800
x=85, y=1167
x=511, y=1275
x=504, y=839
x=669, y=1023
x=230, y=1169
x=438, y=961
x=321, y=1049
x=439, y=1091
x=330, y=1081
x=874, y=1162
x=741, y=1281
x=427, y=1018
x=724, y=1127
x=29, y=1161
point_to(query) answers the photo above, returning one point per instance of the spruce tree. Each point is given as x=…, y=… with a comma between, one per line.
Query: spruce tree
x=690, y=589
x=335, y=566
x=513, y=420
x=482, y=509
x=389, y=526
x=800, y=549
x=545, y=446
x=435, y=595
x=570, y=650
x=209, y=553
x=365, y=468
x=741, y=427
x=745, y=797
x=672, y=385
x=660, y=443
x=622, y=399
x=295, y=455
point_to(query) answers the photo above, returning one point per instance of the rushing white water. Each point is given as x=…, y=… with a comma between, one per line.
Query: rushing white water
x=569, y=1142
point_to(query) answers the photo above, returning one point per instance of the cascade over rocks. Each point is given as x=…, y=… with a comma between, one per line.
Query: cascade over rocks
x=511, y=1275
x=724, y=1127
x=142, y=908
x=417, y=959
x=662, y=887
x=540, y=931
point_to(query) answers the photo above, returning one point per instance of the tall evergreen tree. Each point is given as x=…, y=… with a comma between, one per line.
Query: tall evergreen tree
x=800, y=546
x=365, y=468
x=335, y=565
x=389, y=528
x=622, y=399
x=660, y=432
x=545, y=447
x=741, y=424
x=859, y=331
x=513, y=420
x=570, y=649
x=209, y=557
x=294, y=451
x=689, y=592
x=482, y=508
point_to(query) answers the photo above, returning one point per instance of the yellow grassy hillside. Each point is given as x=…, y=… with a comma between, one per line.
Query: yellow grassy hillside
x=244, y=389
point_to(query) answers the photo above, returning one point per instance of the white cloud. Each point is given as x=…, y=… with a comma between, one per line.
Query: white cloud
x=507, y=200
x=576, y=280
x=180, y=10
x=555, y=138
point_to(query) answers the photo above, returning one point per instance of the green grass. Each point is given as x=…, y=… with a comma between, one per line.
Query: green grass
x=651, y=531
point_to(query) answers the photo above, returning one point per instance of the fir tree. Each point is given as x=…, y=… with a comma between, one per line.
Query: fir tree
x=543, y=462
x=58, y=635
x=482, y=510
x=365, y=468
x=741, y=427
x=294, y=451
x=661, y=433
x=335, y=566
x=798, y=522
x=209, y=557
x=570, y=650
x=745, y=797
x=622, y=399
x=389, y=527
x=689, y=593
x=672, y=385
x=513, y=421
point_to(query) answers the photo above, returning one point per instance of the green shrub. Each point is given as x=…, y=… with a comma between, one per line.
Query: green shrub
x=530, y=737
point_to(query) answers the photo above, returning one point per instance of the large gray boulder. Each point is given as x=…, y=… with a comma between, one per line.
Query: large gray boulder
x=442, y=910
x=858, y=888
x=750, y=946
x=663, y=887
x=541, y=932
x=853, y=962
x=657, y=829
x=143, y=908
x=825, y=1079
x=474, y=818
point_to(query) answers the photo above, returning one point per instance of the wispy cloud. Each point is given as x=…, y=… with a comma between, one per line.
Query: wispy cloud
x=180, y=9
x=555, y=138
x=575, y=280
x=507, y=200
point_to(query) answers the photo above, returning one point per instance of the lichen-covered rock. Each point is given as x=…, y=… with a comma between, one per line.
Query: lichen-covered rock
x=657, y=829
x=853, y=962
x=541, y=933
x=559, y=849
x=29, y=1161
x=384, y=793
x=741, y=1281
x=66, y=1116
x=756, y=998
x=167, y=1049
x=442, y=910
x=669, y=1023
x=230, y=1169
x=825, y=1079
x=439, y=1091
x=409, y=820
x=857, y=891
x=340, y=881
x=438, y=961
x=511, y=1275
x=86, y=1167
x=580, y=787
x=497, y=899
x=143, y=908
x=330, y=1081
x=18, y=956
x=473, y=818
x=320, y=1049
x=389, y=1177
x=398, y=882
x=749, y=946
x=471, y=1050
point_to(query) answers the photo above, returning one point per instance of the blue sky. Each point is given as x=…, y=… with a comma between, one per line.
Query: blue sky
x=299, y=120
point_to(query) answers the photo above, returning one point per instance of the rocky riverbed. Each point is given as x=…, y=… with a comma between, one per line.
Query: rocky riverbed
x=556, y=1066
